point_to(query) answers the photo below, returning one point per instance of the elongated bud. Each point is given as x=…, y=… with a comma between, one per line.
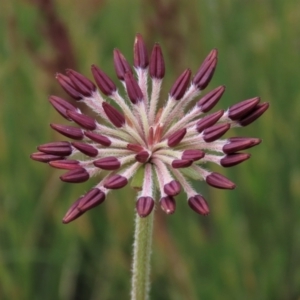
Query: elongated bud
x=254, y=114
x=168, y=204
x=239, y=110
x=140, y=53
x=83, y=85
x=142, y=156
x=199, y=205
x=239, y=143
x=207, y=102
x=82, y=120
x=44, y=157
x=86, y=149
x=114, y=115
x=105, y=84
x=115, y=182
x=214, y=132
x=56, y=148
x=121, y=65
x=65, y=164
x=175, y=138
x=133, y=89
x=73, y=213
x=193, y=155
x=61, y=106
x=219, y=181
x=144, y=206
x=135, y=147
x=69, y=87
x=209, y=120
x=98, y=138
x=108, y=163
x=233, y=159
x=181, y=163
x=75, y=176
x=179, y=87
x=172, y=188
x=72, y=132
x=157, y=63
x=91, y=199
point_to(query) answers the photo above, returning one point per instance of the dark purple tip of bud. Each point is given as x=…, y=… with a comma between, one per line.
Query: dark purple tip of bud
x=74, y=133
x=98, y=138
x=193, y=155
x=109, y=163
x=181, y=163
x=140, y=53
x=214, y=132
x=209, y=120
x=258, y=110
x=91, y=199
x=68, y=86
x=133, y=89
x=56, y=148
x=75, y=176
x=83, y=85
x=121, y=65
x=239, y=110
x=82, y=120
x=199, y=205
x=157, y=63
x=142, y=156
x=175, y=138
x=61, y=106
x=239, y=143
x=207, y=102
x=73, y=213
x=206, y=70
x=65, y=164
x=219, y=181
x=168, y=204
x=233, y=159
x=44, y=157
x=144, y=206
x=86, y=149
x=179, y=87
x=115, y=182
x=105, y=84
x=114, y=115
x=172, y=188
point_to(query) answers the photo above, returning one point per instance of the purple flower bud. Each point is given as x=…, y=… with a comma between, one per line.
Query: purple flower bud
x=172, y=188
x=108, y=163
x=140, y=53
x=114, y=115
x=239, y=143
x=142, y=156
x=98, y=138
x=175, y=138
x=193, y=155
x=209, y=120
x=144, y=206
x=65, y=164
x=56, y=148
x=62, y=106
x=91, y=199
x=105, y=84
x=115, y=182
x=181, y=163
x=239, y=110
x=168, y=204
x=199, y=205
x=74, y=133
x=121, y=65
x=219, y=181
x=73, y=213
x=179, y=87
x=207, y=102
x=86, y=149
x=133, y=89
x=68, y=86
x=83, y=85
x=44, y=157
x=82, y=120
x=75, y=176
x=157, y=63
x=214, y=132
x=233, y=159
x=258, y=110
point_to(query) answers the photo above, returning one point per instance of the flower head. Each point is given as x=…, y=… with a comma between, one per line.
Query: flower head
x=168, y=145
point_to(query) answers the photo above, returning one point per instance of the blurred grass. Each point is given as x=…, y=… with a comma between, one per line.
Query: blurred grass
x=248, y=248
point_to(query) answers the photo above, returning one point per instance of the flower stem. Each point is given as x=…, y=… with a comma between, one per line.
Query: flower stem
x=141, y=257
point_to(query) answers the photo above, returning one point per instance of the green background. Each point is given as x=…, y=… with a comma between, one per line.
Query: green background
x=247, y=248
